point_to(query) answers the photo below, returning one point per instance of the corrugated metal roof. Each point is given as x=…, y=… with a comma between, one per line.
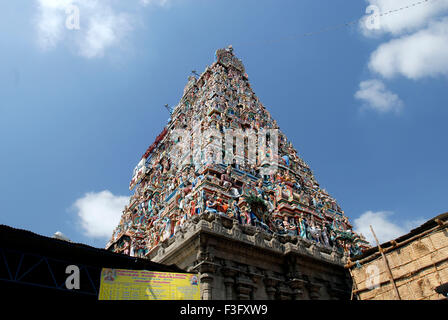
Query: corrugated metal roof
x=30, y=242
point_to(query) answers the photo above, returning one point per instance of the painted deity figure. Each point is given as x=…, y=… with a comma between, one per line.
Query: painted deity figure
x=253, y=220
x=278, y=223
x=315, y=232
x=193, y=207
x=201, y=202
x=176, y=224
x=285, y=223
x=182, y=220
x=132, y=251
x=292, y=229
x=245, y=215
x=333, y=238
x=271, y=203
x=259, y=189
x=222, y=206
x=181, y=204
x=288, y=227
x=211, y=205
x=226, y=179
x=325, y=236
x=303, y=227
x=126, y=247
x=236, y=211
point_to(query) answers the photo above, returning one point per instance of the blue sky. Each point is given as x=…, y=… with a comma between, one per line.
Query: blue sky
x=366, y=109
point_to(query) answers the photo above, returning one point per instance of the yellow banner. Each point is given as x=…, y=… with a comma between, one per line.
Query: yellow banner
x=120, y=284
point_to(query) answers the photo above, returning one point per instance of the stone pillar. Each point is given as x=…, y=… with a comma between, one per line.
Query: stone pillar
x=256, y=276
x=314, y=291
x=270, y=287
x=207, y=286
x=206, y=271
x=243, y=292
x=244, y=287
x=229, y=282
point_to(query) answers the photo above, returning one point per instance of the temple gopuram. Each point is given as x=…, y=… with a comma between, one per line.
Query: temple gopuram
x=222, y=192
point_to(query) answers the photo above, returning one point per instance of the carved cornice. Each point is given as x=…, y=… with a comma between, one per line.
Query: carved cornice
x=231, y=230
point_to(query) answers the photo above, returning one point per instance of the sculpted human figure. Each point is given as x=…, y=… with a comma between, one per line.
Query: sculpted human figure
x=259, y=189
x=287, y=226
x=175, y=224
x=221, y=206
x=303, y=227
x=126, y=247
x=236, y=211
x=271, y=203
x=182, y=220
x=182, y=204
x=226, y=179
x=278, y=223
x=292, y=229
x=211, y=205
x=314, y=230
x=285, y=223
x=193, y=209
x=245, y=215
x=325, y=236
x=333, y=239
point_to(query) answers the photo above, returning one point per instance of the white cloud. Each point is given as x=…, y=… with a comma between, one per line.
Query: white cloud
x=161, y=3
x=99, y=213
x=50, y=22
x=104, y=31
x=407, y=20
x=422, y=54
x=417, y=47
x=384, y=228
x=375, y=96
x=103, y=25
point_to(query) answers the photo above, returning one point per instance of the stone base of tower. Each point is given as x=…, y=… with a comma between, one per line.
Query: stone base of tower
x=242, y=262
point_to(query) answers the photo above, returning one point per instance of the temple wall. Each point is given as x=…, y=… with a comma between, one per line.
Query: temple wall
x=242, y=262
x=417, y=268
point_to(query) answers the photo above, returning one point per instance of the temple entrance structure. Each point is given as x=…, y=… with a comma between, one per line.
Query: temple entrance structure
x=222, y=192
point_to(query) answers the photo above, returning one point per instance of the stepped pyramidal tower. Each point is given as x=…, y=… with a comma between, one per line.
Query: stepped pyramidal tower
x=222, y=192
